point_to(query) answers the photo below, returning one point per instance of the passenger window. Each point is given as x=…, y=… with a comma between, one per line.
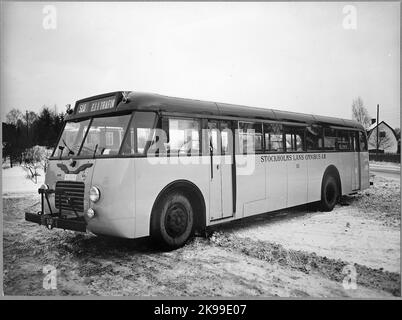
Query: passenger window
x=213, y=137
x=294, y=137
x=362, y=141
x=140, y=133
x=226, y=137
x=353, y=138
x=314, y=138
x=273, y=137
x=250, y=137
x=329, y=139
x=183, y=136
x=343, y=141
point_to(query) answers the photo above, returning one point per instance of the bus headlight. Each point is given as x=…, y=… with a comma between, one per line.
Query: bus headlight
x=90, y=213
x=94, y=194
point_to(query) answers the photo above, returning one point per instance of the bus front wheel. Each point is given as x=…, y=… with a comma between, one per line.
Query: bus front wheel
x=172, y=221
x=329, y=193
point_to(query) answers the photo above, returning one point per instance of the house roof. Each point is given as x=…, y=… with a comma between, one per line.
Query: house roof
x=374, y=125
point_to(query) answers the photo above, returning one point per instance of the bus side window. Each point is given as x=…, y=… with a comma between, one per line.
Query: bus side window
x=362, y=141
x=351, y=141
x=273, y=133
x=294, y=138
x=250, y=137
x=329, y=139
x=226, y=137
x=214, y=136
x=343, y=141
x=140, y=133
x=314, y=138
x=183, y=136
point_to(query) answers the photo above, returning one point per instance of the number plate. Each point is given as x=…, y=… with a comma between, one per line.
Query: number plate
x=70, y=177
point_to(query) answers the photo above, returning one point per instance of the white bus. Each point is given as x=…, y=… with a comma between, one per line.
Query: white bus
x=132, y=165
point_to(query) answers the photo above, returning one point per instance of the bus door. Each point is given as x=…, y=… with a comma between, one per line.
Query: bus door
x=221, y=156
x=356, y=161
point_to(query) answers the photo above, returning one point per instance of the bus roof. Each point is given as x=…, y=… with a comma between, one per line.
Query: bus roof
x=159, y=103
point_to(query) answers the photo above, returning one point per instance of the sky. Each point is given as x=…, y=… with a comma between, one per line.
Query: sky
x=302, y=57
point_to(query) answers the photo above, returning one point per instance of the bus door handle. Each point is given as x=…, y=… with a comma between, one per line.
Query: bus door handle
x=211, y=154
x=217, y=167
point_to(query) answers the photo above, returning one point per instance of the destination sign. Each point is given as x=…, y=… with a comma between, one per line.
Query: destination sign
x=96, y=105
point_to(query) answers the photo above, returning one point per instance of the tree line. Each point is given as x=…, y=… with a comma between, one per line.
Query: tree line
x=22, y=131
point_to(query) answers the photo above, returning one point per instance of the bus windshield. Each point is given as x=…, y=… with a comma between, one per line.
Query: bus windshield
x=71, y=139
x=104, y=136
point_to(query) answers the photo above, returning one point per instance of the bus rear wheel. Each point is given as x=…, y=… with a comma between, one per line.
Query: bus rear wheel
x=329, y=193
x=172, y=221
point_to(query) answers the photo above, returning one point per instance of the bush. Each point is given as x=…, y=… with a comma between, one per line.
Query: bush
x=36, y=158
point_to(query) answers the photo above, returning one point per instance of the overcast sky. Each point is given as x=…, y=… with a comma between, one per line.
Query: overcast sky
x=290, y=56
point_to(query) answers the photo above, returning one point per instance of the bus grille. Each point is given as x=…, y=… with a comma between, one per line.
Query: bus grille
x=71, y=190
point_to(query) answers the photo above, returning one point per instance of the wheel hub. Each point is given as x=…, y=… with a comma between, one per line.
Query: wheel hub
x=176, y=220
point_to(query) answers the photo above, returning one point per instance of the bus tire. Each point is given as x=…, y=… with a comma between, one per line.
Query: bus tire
x=172, y=221
x=329, y=193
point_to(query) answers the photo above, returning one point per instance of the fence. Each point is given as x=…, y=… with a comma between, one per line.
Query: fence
x=386, y=157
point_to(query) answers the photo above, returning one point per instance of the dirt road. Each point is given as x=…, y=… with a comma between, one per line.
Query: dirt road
x=293, y=253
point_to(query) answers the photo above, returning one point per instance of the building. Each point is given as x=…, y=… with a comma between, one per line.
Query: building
x=387, y=140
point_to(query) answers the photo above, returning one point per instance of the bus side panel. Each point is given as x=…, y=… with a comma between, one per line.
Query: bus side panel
x=277, y=185
x=297, y=180
x=250, y=181
x=364, y=169
x=152, y=178
x=347, y=170
x=344, y=164
x=315, y=172
x=114, y=212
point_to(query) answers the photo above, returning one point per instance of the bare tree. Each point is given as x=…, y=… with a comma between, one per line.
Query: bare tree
x=360, y=113
x=13, y=116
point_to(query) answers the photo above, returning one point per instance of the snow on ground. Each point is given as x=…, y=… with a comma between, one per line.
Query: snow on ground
x=14, y=180
x=296, y=252
x=342, y=234
x=385, y=164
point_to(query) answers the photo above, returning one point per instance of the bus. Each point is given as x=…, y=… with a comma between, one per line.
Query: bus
x=132, y=165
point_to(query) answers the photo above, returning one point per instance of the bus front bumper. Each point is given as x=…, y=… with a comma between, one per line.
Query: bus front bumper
x=51, y=221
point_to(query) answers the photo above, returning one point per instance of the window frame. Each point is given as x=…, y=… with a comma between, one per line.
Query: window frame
x=338, y=131
x=282, y=134
x=303, y=127
x=180, y=117
x=102, y=156
x=321, y=128
x=262, y=150
x=155, y=126
x=335, y=149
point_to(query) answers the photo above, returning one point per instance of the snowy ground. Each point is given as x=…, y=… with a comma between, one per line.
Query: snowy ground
x=299, y=252
x=14, y=181
x=387, y=164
